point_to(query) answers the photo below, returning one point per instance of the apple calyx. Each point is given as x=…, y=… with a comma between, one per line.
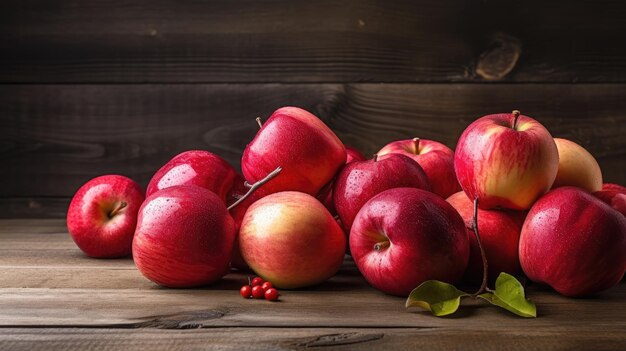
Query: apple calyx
x=382, y=245
x=258, y=121
x=118, y=207
x=483, y=285
x=255, y=186
x=416, y=142
x=515, y=114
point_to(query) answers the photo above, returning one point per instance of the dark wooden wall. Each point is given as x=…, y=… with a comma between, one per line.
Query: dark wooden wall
x=93, y=87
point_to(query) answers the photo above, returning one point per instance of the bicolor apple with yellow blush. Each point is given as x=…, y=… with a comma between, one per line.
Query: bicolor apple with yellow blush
x=506, y=160
x=290, y=239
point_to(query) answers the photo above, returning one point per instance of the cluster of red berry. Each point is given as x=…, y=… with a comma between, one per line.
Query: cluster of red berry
x=258, y=288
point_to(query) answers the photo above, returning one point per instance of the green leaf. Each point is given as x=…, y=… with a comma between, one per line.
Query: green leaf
x=509, y=294
x=437, y=297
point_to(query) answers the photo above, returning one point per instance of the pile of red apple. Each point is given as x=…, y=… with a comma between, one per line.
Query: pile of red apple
x=305, y=200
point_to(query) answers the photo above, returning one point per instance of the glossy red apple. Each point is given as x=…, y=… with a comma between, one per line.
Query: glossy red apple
x=499, y=234
x=614, y=195
x=573, y=242
x=506, y=160
x=405, y=236
x=184, y=237
x=195, y=167
x=359, y=181
x=436, y=159
x=291, y=240
x=294, y=139
x=103, y=214
x=326, y=194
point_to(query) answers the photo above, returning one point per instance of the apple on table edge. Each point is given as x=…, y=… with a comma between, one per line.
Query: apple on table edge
x=102, y=216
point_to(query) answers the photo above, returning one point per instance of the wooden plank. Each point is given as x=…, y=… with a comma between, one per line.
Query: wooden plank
x=325, y=41
x=34, y=207
x=58, y=286
x=298, y=339
x=56, y=137
x=324, y=306
x=53, y=339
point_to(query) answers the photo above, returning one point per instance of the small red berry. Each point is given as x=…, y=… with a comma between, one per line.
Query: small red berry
x=271, y=294
x=257, y=281
x=257, y=292
x=246, y=291
x=267, y=285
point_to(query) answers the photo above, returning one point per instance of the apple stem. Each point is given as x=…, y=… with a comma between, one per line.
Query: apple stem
x=483, y=285
x=381, y=245
x=416, y=141
x=258, y=121
x=117, y=209
x=255, y=186
x=516, y=114
x=375, y=157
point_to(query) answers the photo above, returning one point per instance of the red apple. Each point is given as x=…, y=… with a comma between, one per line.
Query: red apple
x=184, y=237
x=506, y=160
x=291, y=240
x=294, y=139
x=499, y=234
x=326, y=194
x=436, y=159
x=195, y=167
x=359, y=181
x=102, y=216
x=577, y=167
x=405, y=236
x=573, y=242
x=614, y=195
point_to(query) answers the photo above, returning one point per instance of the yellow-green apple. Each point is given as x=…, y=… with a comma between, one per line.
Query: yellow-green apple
x=290, y=239
x=195, y=167
x=436, y=159
x=102, y=216
x=184, y=237
x=326, y=194
x=573, y=242
x=614, y=195
x=577, y=167
x=499, y=234
x=359, y=181
x=307, y=150
x=506, y=160
x=405, y=236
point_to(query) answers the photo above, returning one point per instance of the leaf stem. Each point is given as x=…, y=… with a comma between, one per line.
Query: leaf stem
x=256, y=185
x=483, y=285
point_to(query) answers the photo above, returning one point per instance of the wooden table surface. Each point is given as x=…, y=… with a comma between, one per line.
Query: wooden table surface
x=54, y=298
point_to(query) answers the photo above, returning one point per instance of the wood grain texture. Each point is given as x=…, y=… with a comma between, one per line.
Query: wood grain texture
x=70, y=309
x=325, y=41
x=55, y=138
x=305, y=339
